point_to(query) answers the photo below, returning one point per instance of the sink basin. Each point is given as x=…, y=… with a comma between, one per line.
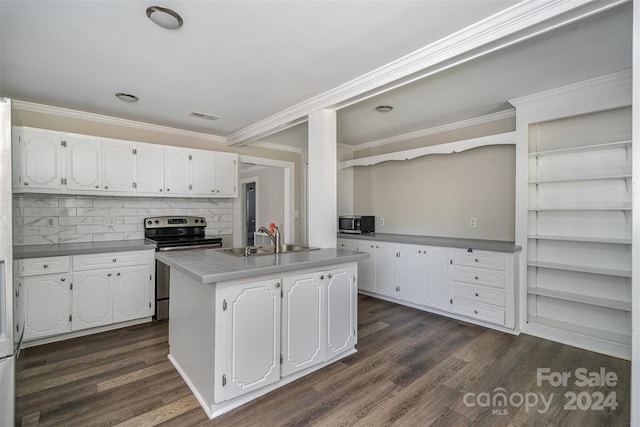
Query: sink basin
x=266, y=250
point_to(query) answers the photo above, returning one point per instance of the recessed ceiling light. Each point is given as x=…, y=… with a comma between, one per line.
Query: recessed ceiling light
x=127, y=97
x=164, y=17
x=384, y=108
x=203, y=115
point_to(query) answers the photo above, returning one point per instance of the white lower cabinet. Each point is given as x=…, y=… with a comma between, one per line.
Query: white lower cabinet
x=476, y=284
x=46, y=305
x=83, y=294
x=252, y=339
x=341, y=311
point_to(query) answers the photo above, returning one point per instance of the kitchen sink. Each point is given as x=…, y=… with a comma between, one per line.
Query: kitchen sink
x=266, y=250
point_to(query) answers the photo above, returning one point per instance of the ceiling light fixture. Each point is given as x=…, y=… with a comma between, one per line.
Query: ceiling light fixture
x=164, y=17
x=203, y=115
x=127, y=97
x=384, y=108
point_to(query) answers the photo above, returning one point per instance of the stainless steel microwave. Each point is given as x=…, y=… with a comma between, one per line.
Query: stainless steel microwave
x=356, y=224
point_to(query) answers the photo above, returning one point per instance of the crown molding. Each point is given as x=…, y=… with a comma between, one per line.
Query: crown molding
x=613, y=79
x=275, y=146
x=488, y=118
x=99, y=118
x=522, y=16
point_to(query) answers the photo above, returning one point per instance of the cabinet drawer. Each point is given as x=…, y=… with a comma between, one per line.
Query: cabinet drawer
x=484, y=259
x=111, y=259
x=478, y=311
x=479, y=276
x=47, y=265
x=479, y=293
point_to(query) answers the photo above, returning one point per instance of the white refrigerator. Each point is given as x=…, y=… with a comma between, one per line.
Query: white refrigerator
x=9, y=341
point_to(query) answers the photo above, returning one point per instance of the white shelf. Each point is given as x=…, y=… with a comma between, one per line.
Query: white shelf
x=587, y=208
x=587, y=178
x=582, y=148
x=581, y=268
x=581, y=298
x=619, y=241
x=582, y=330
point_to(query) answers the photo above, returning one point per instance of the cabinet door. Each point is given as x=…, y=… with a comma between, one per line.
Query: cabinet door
x=46, y=305
x=92, y=299
x=41, y=164
x=386, y=275
x=411, y=281
x=253, y=337
x=84, y=161
x=341, y=306
x=149, y=169
x=367, y=268
x=117, y=166
x=131, y=293
x=202, y=172
x=176, y=171
x=302, y=322
x=226, y=174
x=438, y=274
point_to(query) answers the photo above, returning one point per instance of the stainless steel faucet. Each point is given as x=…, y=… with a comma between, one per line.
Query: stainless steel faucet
x=275, y=238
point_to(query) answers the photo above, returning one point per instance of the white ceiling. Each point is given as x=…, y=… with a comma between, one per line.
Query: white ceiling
x=245, y=61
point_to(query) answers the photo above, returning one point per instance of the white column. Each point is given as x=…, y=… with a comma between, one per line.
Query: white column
x=322, y=179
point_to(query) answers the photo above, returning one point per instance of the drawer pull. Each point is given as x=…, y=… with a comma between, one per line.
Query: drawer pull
x=62, y=279
x=114, y=260
x=476, y=277
x=321, y=276
x=477, y=260
x=475, y=311
x=329, y=275
x=46, y=266
x=117, y=274
x=477, y=294
x=108, y=274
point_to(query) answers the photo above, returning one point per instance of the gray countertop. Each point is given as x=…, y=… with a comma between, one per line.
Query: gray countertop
x=213, y=265
x=38, y=251
x=454, y=242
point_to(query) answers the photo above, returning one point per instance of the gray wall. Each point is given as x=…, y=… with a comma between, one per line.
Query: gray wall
x=437, y=195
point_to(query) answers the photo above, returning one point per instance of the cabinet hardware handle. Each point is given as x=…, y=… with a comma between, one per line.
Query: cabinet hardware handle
x=26, y=183
x=108, y=274
x=321, y=276
x=168, y=190
x=477, y=294
x=477, y=260
x=329, y=276
x=117, y=274
x=106, y=187
x=97, y=186
x=397, y=288
x=114, y=260
x=46, y=266
x=62, y=279
x=161, y=190
x=475, y=311
x=278, y=285
x=476, y=277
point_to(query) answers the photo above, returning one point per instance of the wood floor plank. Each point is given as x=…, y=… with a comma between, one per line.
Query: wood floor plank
x=412, y=368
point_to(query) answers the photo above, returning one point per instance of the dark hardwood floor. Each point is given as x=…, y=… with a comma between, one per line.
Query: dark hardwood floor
x=412, y=369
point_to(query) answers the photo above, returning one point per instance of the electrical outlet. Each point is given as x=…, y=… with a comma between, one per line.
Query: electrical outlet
x=473, y=223
x=51, y=222
x=382, y=222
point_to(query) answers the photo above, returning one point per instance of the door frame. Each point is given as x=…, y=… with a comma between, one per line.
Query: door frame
x=289, y=186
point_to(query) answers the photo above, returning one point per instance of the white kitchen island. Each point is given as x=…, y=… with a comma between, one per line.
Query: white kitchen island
x=240, y=327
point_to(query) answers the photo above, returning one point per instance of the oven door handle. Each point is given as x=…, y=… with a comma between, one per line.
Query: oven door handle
x=178, y=248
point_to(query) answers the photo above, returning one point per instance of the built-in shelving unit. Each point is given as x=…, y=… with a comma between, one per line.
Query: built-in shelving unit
x=579, y=228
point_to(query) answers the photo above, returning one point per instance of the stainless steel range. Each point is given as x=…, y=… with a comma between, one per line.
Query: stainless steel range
x=173, y=233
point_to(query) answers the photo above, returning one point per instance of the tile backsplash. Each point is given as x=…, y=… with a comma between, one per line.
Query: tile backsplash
x=45, y=218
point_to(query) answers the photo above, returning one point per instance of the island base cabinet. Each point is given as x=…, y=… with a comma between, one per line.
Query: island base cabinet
x=252, y=338
x=341, y=311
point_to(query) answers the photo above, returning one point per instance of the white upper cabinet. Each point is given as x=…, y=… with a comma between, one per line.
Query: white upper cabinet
x=38, y=159
x=149, y=169
x=117, y=166
x=84, y=163
x=176, y=170
x=202, y=173
x=54, y=162
x=226, y=174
